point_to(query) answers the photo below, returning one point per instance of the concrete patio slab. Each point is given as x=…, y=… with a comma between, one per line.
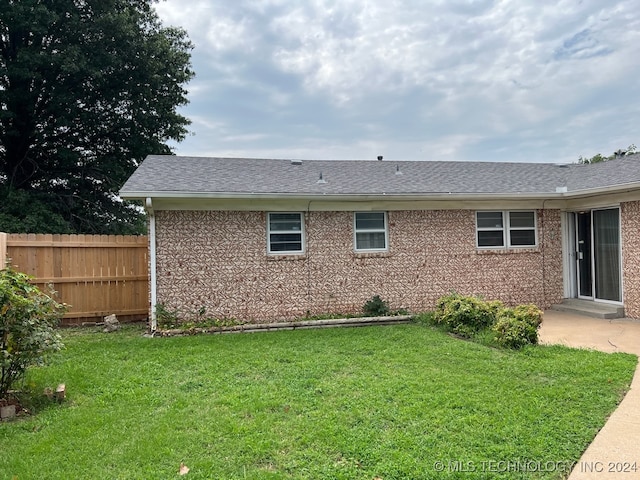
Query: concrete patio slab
x=615, y=452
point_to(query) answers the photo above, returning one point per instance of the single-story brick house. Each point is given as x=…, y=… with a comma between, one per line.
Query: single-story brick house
x=263, y=239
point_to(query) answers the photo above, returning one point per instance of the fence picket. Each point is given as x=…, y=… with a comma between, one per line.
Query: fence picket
x=95, y=274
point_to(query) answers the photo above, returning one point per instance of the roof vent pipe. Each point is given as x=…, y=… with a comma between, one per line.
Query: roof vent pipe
x=321, y=180
x=380, y=157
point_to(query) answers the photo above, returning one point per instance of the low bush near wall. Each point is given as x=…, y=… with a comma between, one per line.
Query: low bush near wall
x=466, y=315
x=376, y=307
x=175, y=319
x=513, y=333
x=517, y=327
x=486, y=321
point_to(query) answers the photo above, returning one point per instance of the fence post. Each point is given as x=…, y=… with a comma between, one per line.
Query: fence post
x=3, y=250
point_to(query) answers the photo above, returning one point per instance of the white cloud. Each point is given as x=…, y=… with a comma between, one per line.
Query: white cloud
x=214, y=29
x=483, y=79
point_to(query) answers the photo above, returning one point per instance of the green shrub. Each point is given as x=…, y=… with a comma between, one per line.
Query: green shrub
x=517, y=327
x=513, y=333
x=487, y=322
x=466, y=315
x=27, y=327
x=166, y=317
x=425, y=318
x=529, y=313
x=376, y=307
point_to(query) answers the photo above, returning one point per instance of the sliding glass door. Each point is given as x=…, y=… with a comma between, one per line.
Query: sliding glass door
x=598, y=254
x=606, y=254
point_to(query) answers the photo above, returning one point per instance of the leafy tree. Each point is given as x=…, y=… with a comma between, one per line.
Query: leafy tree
x=88, y=88
x=600, y=158
x=27, y=327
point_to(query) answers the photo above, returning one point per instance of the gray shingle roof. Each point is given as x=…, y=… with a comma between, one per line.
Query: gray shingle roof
x=616, y=172
x=166, y=174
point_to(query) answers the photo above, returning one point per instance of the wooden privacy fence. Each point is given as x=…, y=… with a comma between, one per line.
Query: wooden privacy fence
x=96, y=275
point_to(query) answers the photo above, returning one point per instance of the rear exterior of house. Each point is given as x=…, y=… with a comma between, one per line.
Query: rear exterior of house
x=219, y=259
x=264, y=240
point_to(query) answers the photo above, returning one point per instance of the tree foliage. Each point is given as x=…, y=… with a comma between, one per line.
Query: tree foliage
x=598, y=158
x=88, y=88
x=27, y=327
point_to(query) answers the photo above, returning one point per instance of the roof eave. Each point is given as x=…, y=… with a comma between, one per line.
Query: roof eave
x=132, y=195
x=589, y=192
x=141, y=195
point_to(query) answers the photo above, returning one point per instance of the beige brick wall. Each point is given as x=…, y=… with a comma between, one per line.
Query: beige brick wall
x=218, y=260
x=630, y=223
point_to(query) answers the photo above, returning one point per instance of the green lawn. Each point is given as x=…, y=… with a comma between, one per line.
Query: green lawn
x=346, y=403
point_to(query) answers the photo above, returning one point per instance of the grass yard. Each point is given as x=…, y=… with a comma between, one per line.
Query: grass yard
x=348, y=403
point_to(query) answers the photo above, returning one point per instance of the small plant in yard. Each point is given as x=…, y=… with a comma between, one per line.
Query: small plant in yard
x=376, y=307
x=466, y=315
x=27, y=327
x=173, y=319
x=426, y=318
x=517, y=327
x=486, y=322
x=166, y=317
x=528, y=313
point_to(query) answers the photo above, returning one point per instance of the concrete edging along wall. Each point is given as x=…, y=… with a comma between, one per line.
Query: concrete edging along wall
x=295, y=325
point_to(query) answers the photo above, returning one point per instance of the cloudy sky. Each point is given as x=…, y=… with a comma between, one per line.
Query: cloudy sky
x=540, y=81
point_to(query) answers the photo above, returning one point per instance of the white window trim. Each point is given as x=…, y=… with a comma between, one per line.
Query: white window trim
x=286, y=252
x=491, y=229
x=369, y=230
x=506, y=229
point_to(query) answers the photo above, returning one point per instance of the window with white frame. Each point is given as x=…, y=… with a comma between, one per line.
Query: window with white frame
x=498, y=229
x=370, y=231
x=522, y=229
x=285, y=233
